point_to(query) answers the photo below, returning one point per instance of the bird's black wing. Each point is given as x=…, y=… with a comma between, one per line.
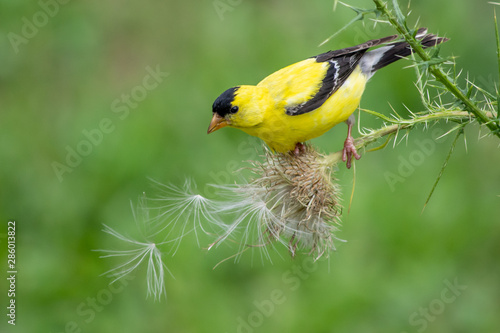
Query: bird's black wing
x=341, y=63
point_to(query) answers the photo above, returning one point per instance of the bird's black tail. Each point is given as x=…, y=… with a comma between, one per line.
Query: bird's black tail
x=373, y=60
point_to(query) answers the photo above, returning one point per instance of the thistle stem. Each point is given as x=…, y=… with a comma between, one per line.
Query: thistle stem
x=374, y=135
x=435, y=70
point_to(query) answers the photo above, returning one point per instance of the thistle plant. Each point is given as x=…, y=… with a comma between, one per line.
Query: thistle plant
x=437, y=81
x=438, y=84
x=292, y=200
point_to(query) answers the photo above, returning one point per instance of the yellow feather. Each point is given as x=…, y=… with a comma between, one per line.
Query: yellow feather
x=297, y=83
x=262, y=107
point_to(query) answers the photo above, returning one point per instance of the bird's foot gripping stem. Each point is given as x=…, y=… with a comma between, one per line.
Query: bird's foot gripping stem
x=299, y=148
x=349, y=148
x=349, y=151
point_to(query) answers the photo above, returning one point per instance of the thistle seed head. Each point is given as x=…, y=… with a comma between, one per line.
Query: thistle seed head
x=301, y=193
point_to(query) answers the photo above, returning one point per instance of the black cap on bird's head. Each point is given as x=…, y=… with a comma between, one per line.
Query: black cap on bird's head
x=221, y=108
x=222, y=105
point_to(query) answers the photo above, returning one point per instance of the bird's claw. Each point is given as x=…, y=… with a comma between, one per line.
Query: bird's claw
x=349, y=151
x=299, y=148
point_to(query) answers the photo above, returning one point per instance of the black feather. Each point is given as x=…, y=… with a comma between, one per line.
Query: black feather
x=223, y=104
x=348, y=50
x=341, y=64
x=402, y=49
x=338, y=71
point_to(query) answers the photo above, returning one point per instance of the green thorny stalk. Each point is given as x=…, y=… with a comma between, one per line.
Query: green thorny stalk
x=465, y=108
x=398, y=21
x=461, y=117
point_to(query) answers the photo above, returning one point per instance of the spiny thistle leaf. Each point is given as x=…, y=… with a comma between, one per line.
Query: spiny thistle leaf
x=399, y=14
x=381, y=116
x=357, y=18
x=360, y=15
x=445, y=164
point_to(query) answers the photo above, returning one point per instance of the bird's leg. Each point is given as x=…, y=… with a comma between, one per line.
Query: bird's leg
x=349, y=148
x=299, y=148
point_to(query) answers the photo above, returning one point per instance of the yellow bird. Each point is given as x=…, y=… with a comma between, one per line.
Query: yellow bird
x=304, y=100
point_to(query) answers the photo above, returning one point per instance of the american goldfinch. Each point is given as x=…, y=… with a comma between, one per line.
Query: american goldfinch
x=304, y=100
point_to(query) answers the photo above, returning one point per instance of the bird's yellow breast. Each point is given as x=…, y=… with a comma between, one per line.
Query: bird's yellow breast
x=281, y=131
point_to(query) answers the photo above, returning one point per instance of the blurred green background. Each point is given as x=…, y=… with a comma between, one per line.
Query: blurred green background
x=395, y=270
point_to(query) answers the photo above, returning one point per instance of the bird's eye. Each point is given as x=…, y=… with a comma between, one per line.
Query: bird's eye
x=234, y=109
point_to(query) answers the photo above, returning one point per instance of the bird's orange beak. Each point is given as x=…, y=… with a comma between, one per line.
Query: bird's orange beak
x=216, y=123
